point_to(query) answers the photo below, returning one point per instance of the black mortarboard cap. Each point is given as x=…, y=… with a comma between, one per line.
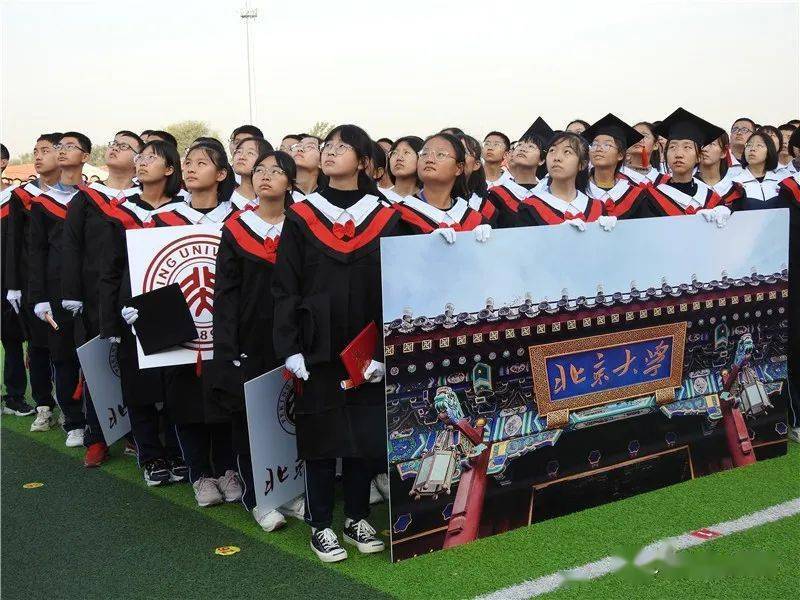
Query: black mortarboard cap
x=164, y=319
x=683, y=125
x=615, y=127
x=539, y=128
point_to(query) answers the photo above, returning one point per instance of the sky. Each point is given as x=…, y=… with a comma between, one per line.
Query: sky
x=671, y=247
x=393, y=67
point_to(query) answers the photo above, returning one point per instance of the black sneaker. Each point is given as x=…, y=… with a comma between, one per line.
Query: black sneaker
x=178, y=471
x=156, y=472
x=17, y=406
x=326, y=545
x=362, y=535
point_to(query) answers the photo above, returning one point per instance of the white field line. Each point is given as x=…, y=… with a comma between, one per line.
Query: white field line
x=660, y=550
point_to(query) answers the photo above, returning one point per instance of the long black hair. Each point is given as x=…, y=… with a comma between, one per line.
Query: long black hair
x=262, y=145
x=172, y=159
x=772, y=152
x=460, y=187
x=415, y=142
x=217, y=155
x=476, y=182
x=579, y=146
x=286, y=163
x=362, y=145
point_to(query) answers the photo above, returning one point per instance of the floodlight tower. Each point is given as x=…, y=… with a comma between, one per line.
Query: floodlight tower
x=249, y=14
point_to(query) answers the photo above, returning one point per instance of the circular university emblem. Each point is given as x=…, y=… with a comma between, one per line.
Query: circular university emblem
x=113, y=359
x=286, y=407
x=190, y=262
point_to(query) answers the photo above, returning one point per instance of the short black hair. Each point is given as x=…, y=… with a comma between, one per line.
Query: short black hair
x=4, y=155
x=384, y=139
x=415, y=142
x=454, y=130
x=250, y=130
x=146, y=132
x=295, y=136
x=794, y=142
x=172, y=159
x=748, y=119
x=83, y=141
x=53, y=138
x=502, y=135
x=581, y=121
x=772, y=152
x=130, y=134
x=378, y=158
x=286, y=163
x=774, y=131
x=164, y=135
x=460, y=186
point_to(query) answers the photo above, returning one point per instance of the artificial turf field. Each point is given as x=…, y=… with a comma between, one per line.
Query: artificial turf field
x=101, y=533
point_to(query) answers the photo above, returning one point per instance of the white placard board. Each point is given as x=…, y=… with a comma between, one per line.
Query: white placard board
x=98, y=358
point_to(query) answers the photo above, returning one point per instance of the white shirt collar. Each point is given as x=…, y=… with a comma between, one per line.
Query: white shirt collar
x=578, y=205
x=452, y=216
x=357, y=212
x=260, y=227
x=685, y=200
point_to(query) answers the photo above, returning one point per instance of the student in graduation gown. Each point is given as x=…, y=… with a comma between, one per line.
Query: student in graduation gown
x=45, y=278
x=305, y=153
x=17, y=261
x=644, y=157
x=403, y=168
x=741, y=129
x=244, y=159
x=327, y=289
x=713, y=169
x=759, y=178
x=386, y=145
x=243, y=312
x=789, y=197
x=527, y=160
x=204, y=438
x=82, y=252
x=496, y=145
x=609, y=139
x=680, y=193
x=475, y=174
x=561, y=200
x=238, y=135
x=158, y=170
x=440, y=206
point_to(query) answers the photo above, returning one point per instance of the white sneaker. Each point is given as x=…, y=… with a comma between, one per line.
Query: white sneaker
x=269, y=521
x=229, y=486
x=374, y=493
x=43, y=420
x=794, y=434
x=74, y=438
x=382, y=483
x=295, y=508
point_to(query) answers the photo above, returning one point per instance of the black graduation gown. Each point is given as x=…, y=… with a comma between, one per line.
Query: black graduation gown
x=327, y=288
x=661, y=204
x=625, y=200
x=542, y=208
x=16, y=260
x=417, y=216
x=83, y=250
x=789, y=197
x=243, y=317
x=48, y=214
x=140, y=387
x=10, y=325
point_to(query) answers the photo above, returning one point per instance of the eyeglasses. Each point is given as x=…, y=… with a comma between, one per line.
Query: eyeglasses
x=735, y=130
x=68, y=147
x=602, y=146
x=524, y=146
x=304, y=147
x=121, y=146
x=755, y=146
x=493, y=144
x=439, y=156
x=247, y=153
x=144, y=159
x=335, y=148
x=401, y=153
x=263, y=171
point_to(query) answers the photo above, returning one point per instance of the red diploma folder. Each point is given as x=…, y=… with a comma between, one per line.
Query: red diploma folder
x=358, y=354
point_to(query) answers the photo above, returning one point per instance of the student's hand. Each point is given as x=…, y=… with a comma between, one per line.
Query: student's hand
x=73, y=306
x=129, y=314
x=482, y=233
x=115, y=340
x=718, y=215
x=42, y=309
x=14, y=298
x=607, y=223
x=374, y=372
x=296, y=365
x=448, y=234
x=578, y=224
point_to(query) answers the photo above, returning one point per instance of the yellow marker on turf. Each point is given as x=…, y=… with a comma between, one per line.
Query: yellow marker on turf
x=32, y=485
x=227, y=550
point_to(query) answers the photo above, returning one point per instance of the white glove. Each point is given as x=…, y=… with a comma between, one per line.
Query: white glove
x=129, y=314
x=607, y=223
x=448, y=234
x=296, y=365
x=718, y=215
x=73, y=306
x=237, y=363
x=578, y=224
x=41, y=309
x=115, y=340
x=14, y=297
x=482, y=233
x=375, y=371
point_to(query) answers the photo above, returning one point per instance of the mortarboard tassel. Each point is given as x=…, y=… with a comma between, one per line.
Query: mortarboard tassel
x=645, y=158
x=728, y=157
x=78, y=393
x=198, y=365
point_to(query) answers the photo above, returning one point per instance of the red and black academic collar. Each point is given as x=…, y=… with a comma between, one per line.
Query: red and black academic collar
x=668, y=198
x=55, y=202
x=619, y=207
x=424, y=218
x=546, y=207
x=349, y=241
x=27, y=194
x=792, y=187
x=485, y=206
x=247, y=236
